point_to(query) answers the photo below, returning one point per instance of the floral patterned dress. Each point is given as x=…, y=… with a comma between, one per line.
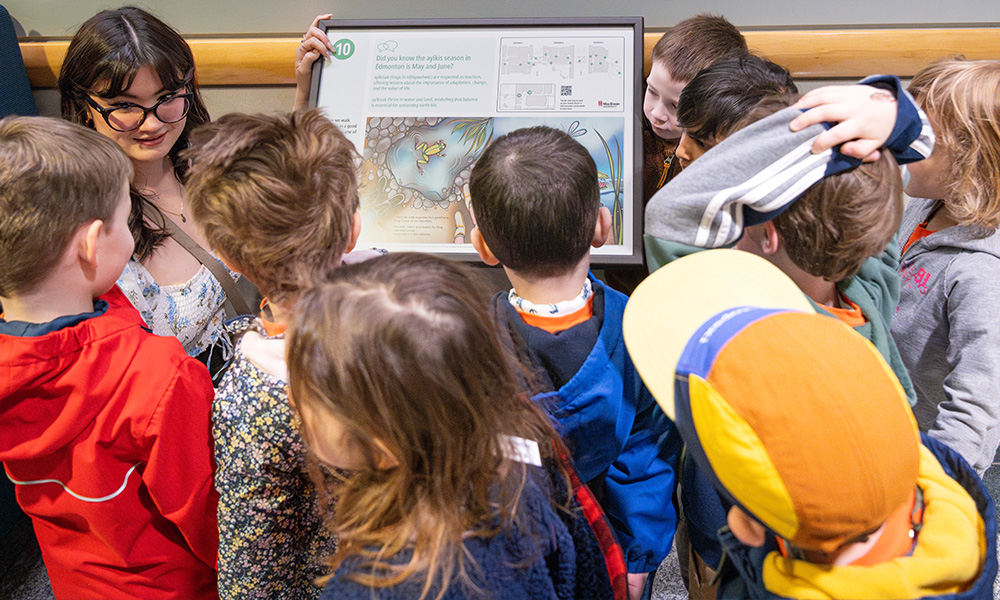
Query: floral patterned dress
x=190, y=311
x=272, y=540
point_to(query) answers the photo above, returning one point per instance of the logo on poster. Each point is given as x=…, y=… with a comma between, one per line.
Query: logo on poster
x=343, y=49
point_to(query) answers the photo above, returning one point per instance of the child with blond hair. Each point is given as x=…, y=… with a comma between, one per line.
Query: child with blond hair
x=947, y=325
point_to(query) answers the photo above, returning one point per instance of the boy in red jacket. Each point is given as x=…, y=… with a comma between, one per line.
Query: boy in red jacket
x=104, y=427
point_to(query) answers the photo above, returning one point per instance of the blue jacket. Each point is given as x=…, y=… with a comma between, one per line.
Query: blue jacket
x=549, y=554
x=622, y=443
x=748, y=562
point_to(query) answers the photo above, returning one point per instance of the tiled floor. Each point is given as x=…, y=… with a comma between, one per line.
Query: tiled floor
x=22, y=574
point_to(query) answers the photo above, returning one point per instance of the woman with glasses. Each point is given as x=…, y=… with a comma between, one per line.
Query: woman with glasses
x=131, y=77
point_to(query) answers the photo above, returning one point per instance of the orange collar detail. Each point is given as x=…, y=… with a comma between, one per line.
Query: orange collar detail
x=919, y=233
x=852, y=316
x=562, y=322
x=271, y=328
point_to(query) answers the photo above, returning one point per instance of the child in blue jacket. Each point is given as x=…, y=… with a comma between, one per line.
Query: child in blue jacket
x=536, y=202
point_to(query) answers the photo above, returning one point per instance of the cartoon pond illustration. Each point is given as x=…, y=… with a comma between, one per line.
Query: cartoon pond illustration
x=415, y=171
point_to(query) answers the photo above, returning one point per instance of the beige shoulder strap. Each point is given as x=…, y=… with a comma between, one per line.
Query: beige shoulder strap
x=235, y=304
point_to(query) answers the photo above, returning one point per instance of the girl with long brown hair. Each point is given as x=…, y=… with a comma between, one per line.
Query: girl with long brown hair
x=399, y=377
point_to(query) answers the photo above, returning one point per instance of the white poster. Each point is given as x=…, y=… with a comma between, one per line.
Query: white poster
x=422, y=101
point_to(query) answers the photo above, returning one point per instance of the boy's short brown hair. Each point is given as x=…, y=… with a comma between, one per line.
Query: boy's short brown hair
x=55, y=177
x=535, y=197
x=841, y=220
x=696, y=43
x=275, y=195
x=844, y=219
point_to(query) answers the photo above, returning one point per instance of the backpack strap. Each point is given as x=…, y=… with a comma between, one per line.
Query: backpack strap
x=235, y=304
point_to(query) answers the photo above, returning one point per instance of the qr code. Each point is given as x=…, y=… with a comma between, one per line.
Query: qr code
x=565, y=90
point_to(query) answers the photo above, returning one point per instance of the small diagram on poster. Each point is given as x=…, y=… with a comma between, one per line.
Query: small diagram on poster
x=561, y=73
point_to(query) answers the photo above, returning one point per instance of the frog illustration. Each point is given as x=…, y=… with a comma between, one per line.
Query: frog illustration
x=426, y=152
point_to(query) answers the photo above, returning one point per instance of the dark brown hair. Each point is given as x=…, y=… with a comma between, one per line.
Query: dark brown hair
x=696, y=43
x=103, y=58
x=275, y=195
x=535, y=197
x=55, y=177
x=844, y=219
x=728, y=95
x=400, y=350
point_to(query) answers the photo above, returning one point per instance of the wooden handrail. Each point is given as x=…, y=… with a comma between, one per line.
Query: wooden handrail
x=808, y=54
x=221, y=61
x=860, y=52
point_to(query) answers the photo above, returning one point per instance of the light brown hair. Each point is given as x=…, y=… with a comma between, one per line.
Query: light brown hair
x=402, y=352
x=696, y=43
x=841, y=220
x=55, y=177
x=844, y=219
x=962, y=98
x=275, y=195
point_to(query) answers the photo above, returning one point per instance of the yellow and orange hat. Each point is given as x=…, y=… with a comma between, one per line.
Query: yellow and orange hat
x=794, y=416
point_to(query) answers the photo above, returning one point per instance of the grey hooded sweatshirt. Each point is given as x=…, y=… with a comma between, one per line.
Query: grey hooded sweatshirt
x=947, y=330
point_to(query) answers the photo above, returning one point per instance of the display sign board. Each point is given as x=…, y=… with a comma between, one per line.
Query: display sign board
x=421, y=100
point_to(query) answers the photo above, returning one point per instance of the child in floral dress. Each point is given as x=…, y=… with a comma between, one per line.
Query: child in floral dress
x=277, y=199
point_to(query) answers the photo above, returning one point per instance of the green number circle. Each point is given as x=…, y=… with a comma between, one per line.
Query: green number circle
x=343, y=49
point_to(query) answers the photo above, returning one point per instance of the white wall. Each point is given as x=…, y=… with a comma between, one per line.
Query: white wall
x=47, y=18
x=52, y=18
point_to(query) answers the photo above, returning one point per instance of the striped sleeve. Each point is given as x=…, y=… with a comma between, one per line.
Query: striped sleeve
x=753, y=175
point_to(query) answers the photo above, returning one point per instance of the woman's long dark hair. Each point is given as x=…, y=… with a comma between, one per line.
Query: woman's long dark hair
x=103, y=59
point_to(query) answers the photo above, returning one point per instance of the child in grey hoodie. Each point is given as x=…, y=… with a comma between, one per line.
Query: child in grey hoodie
x=947, y=326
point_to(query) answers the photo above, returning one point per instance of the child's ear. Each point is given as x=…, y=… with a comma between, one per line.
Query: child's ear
x=476, y=237
x=745, y=528
x=87, y=247
x=762, y=240
x=602, y=230
x=355, y=232
x=386, y=459
x=771, y=240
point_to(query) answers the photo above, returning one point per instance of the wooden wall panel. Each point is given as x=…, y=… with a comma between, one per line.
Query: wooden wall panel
x=808, y=54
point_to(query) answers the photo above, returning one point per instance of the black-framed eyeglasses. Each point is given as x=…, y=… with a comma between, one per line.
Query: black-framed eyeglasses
x=129, y=116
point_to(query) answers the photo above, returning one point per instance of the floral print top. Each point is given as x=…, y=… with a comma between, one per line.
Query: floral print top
x=272, y=540
x=190, y=311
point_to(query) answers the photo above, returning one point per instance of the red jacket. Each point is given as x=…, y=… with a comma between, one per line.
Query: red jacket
x=106, y=429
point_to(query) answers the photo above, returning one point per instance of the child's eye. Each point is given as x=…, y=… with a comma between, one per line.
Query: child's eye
x=700, y=142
